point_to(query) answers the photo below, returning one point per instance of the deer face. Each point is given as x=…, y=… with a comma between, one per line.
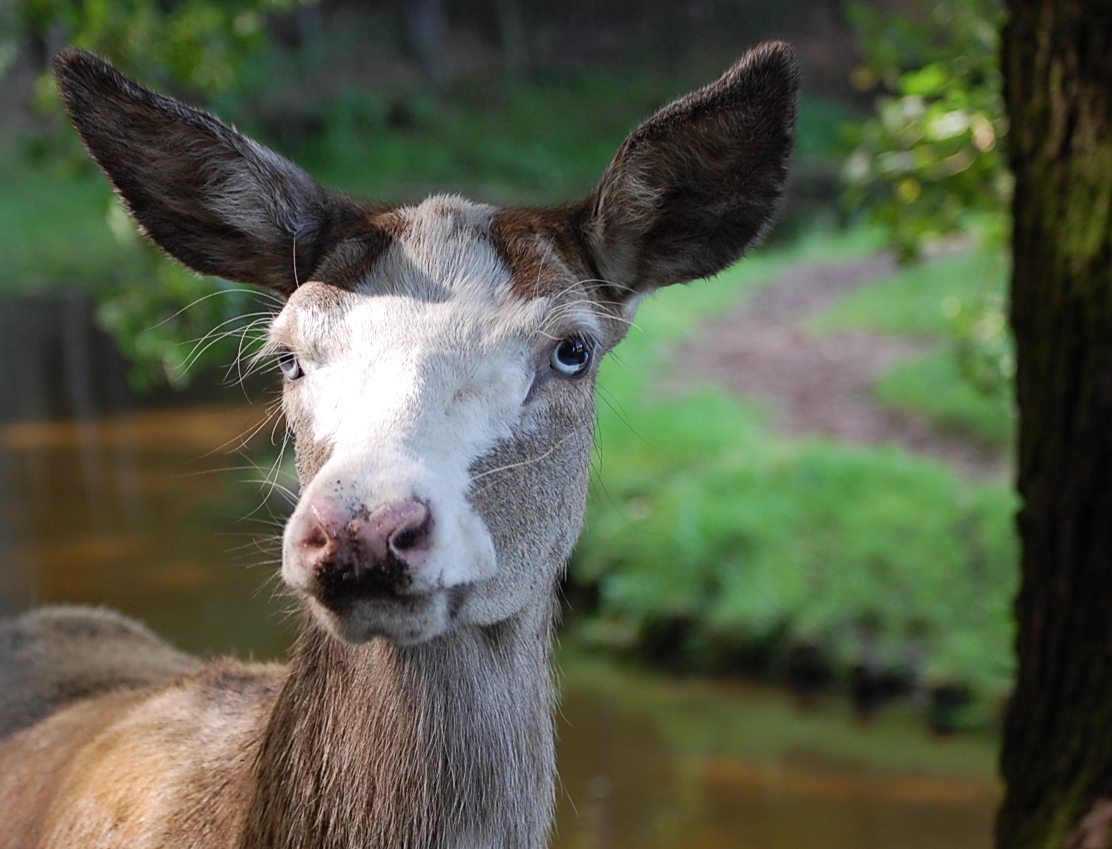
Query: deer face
x=439, y=361
x=442, y=417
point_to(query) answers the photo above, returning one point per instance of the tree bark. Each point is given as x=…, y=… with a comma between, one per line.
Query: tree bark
x=1057, y=753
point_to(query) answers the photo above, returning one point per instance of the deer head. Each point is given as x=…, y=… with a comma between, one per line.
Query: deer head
x=439, y=360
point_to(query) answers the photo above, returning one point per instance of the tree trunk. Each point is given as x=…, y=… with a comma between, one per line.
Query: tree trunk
x=1057, y=755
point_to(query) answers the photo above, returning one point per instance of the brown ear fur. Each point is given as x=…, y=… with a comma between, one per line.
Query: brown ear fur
x=698, y=183
x=212, y=198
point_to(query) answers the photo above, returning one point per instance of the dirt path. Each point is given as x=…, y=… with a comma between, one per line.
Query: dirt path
x=823, y=384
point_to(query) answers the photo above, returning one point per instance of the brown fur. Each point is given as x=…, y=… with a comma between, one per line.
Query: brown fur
x=52, y=658
x=542, y=247
x=437, y=744
x=188, y=742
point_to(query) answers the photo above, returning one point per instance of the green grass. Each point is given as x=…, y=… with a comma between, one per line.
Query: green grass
x=916, y=299
x=955, y=301
x=933, y=386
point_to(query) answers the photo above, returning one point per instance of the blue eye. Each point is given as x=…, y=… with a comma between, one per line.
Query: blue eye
x=288, y=363
x=571, y=357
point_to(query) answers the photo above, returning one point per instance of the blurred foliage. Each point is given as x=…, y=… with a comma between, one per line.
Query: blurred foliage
x=932, y=155
x=171, y=322
x=771, y=556
x=931, y=163
x=542, y=139
x=983, y=343
x=9, y=29
x=197, y=44
x=912, y=300
x=933, y=386
x=955, y=302
x=155, y=308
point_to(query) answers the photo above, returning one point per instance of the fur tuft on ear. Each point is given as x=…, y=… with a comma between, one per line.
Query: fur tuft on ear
x=210, y=197
x=697, y=184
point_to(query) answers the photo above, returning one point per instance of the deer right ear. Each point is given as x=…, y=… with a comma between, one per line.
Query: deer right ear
x=207, y=195
x=698, y=183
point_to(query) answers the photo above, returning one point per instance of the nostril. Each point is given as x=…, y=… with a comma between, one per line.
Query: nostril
x=408, y=538
x=322, y=526
x=412, y=536
x=319, y=540
x=315, y=538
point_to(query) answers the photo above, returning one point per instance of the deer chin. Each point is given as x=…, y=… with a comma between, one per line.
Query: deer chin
x=404, y=620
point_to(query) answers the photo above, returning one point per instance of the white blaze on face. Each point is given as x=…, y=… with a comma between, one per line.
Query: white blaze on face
x=415, y=377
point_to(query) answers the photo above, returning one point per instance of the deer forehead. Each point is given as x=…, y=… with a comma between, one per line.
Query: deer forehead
x=448, y=261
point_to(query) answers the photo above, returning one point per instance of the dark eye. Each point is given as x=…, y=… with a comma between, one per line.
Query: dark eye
x=571, y=357
x=288, y=363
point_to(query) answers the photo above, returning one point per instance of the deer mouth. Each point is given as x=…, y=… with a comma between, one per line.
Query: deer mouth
x=406, y=618
x=354, y=577
x=364, y=594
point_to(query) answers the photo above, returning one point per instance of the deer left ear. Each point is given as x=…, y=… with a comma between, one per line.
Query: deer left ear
x=696, y=185
x=207, y=195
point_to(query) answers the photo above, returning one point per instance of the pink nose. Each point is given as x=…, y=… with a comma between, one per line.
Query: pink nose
x=381, y=546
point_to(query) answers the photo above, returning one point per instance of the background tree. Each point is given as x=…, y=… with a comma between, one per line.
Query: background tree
x=1057, y=756
x=928, y=165
x=198, y=44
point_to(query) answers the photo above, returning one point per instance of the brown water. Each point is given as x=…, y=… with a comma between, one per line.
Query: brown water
x=141, y=512
x=655, y=763
x=159, y=514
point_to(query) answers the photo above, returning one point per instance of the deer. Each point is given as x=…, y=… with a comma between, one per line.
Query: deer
x=438, y=364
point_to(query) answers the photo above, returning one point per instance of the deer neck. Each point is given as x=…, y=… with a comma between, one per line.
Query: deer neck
x=446, y=744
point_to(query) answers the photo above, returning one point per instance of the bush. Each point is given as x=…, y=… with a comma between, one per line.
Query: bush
x=708, y=520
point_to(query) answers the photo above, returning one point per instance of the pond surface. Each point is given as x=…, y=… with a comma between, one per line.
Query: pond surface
x=160, y=513
x=660, y=763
